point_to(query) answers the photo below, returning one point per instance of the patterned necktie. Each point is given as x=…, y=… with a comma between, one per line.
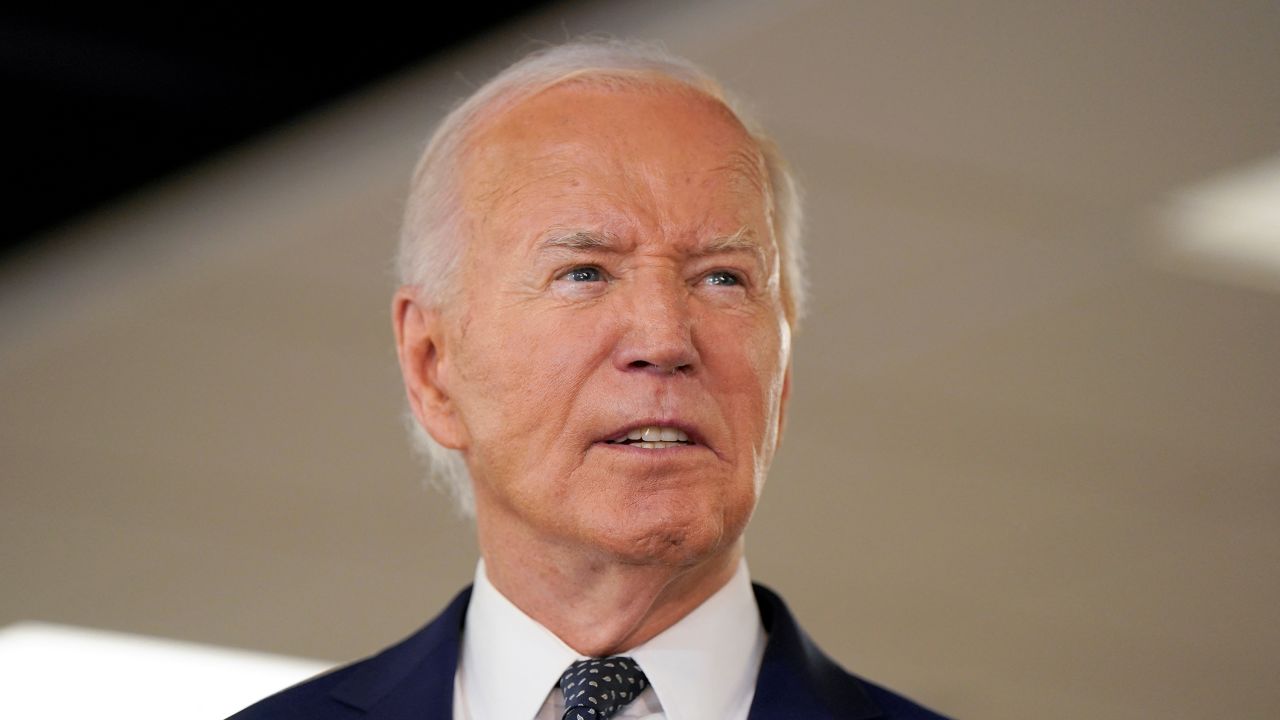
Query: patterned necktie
x=594, y=689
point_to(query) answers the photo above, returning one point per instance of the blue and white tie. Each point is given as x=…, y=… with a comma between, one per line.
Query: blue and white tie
x=595, y=688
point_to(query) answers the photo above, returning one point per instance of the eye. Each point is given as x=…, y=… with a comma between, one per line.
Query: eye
x=587, y=273
x=723, y=277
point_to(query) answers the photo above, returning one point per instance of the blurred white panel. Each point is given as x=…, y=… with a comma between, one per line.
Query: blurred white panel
x=57, y=671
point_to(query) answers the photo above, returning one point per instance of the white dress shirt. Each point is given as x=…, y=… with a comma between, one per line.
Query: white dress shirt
x=704, y=666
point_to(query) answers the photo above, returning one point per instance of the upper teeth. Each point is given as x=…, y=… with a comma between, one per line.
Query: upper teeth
x=654, y=433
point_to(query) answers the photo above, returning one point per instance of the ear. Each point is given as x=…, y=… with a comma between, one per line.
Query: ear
x=424, y=365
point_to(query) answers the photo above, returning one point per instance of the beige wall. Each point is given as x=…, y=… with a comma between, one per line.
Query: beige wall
x=1027, y=473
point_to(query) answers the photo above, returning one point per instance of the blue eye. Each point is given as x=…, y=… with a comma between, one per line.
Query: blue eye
x=723, y=277
x=584, y=274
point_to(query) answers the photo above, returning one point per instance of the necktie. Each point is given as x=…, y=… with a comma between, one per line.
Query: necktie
x=595, y=688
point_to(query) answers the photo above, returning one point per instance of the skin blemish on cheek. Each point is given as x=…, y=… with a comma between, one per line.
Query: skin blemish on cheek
x=464, y=323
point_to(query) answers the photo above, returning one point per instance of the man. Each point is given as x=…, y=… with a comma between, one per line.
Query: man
x=600, y=269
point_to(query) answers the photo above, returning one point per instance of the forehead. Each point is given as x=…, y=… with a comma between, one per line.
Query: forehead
x=579, y=145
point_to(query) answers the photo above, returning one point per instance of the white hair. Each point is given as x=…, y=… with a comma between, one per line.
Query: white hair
x=433, y=234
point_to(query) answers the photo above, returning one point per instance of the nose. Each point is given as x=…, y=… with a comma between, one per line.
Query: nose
x=659, y=329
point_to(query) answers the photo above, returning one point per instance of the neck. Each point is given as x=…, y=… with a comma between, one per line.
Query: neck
x=597, y=604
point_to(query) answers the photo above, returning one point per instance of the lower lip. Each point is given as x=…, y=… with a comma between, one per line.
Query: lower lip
x=636, y=449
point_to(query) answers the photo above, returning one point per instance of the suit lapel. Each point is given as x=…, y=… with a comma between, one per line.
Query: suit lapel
x=414, y=679
x=796, y=679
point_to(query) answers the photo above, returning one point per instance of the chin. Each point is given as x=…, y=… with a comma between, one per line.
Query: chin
x=680, y=536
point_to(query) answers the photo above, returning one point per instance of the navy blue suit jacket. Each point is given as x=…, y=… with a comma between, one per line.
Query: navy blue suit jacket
x=413, y=680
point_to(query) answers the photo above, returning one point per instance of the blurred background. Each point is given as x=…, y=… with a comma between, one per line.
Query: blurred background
x=1032, y=466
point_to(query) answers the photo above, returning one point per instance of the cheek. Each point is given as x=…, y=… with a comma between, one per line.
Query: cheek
x=750, y=360
x=524, y=373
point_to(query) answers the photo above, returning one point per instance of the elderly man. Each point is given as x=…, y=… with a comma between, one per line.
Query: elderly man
x=600, y=266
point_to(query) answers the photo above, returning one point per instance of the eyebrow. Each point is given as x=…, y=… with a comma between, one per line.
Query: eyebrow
x=742, y=241
x=579, y=240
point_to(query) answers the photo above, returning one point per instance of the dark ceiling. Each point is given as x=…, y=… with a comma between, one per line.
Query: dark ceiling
x=101, y=101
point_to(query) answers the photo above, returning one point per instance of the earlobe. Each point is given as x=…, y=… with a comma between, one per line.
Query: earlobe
x=421, y=350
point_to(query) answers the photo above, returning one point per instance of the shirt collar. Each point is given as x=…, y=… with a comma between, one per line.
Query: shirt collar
x=704, y=666
x=500, y=641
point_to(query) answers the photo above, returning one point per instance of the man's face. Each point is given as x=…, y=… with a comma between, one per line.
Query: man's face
x=621, y=274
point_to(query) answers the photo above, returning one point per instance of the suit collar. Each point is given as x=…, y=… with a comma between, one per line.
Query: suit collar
x=796, y=679
x=417, y=673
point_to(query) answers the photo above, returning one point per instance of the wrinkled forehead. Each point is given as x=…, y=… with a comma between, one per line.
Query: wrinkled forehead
x=577, y=96
x=608, y=131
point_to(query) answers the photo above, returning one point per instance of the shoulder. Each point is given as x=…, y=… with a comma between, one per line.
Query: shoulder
x=416, y=671
x=308, y=699
x=797, y=679
x=896, y=707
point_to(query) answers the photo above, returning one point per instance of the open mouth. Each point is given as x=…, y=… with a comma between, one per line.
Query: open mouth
x=653, y=437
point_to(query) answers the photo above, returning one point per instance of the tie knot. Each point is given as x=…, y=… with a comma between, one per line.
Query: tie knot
x=595, y=688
